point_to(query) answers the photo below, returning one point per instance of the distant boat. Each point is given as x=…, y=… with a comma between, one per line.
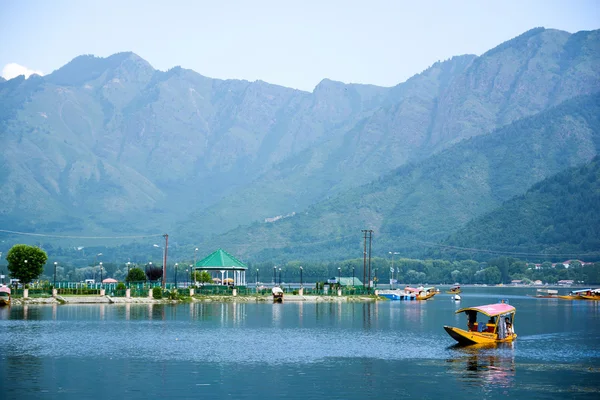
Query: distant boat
x=4, y=295
x=454, y=290
x=593, y=295
x=546, y=294
x=423, y=293
x=456, y=297
x=498, y=329
x=576, y=294
x=277, y=294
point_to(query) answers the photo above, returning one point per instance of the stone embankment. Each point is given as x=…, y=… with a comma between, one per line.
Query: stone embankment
x=216, y=299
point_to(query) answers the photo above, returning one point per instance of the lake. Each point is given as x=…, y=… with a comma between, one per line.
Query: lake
x=386, y=349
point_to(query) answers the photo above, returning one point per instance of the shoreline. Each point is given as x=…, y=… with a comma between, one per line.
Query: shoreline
x=66, y=300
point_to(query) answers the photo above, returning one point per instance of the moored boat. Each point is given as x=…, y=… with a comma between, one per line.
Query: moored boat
x=277, y=294
x=4, y=295
x=576, y=294
x=593, y=295
x=397, y=294
x=422, y=293
x=498, y=329
x=546, y=294
x=454, y=290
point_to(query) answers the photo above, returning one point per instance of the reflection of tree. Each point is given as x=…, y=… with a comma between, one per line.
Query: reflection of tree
x=489, y=366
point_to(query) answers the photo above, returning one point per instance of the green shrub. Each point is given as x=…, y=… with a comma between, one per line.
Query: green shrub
x=157, y=293
x=172, y=295
x=121, y=286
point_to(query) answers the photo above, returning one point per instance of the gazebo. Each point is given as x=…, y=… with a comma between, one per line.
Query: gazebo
x=220, y=264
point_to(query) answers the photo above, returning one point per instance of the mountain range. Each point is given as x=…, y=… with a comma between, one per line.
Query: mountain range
x=111, y=146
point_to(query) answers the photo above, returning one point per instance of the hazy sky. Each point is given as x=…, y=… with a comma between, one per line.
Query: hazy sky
x=290, y=43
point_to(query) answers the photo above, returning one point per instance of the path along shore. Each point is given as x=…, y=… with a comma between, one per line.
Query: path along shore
x=194, y=299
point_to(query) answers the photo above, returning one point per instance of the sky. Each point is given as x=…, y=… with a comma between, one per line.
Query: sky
x=290, y=43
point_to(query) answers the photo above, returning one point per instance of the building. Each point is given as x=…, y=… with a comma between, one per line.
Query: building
x=224, y=268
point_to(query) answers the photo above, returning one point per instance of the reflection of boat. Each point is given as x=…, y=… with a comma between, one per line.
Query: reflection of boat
x=576, y=294
x=454, y=290
x=277, y=294
x=546, y=294
x=422, y=293
x=4, y=295
x=498, y=329
x=397, y=294
x=483, y=365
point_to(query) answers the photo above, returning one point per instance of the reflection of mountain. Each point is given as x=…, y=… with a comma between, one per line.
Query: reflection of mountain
x=489, y=367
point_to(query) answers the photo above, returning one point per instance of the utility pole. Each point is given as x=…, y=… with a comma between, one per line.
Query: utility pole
x=164, y=275
x=370, y=241
x=364, y=257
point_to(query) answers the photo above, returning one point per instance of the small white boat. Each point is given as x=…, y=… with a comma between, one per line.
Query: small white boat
x=277, y=294
x=456, y=297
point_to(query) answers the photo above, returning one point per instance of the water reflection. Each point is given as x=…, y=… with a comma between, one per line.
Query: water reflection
x=488, y=366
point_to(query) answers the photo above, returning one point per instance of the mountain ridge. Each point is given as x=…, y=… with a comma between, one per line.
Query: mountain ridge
x=112, y=144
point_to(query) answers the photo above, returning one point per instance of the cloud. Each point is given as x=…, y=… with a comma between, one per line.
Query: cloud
x=13, y=70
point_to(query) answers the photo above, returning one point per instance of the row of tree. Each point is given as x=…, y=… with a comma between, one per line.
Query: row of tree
x=26, y=263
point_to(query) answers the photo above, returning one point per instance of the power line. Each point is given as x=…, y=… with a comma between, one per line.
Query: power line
x=78, y=237
x=431, y=244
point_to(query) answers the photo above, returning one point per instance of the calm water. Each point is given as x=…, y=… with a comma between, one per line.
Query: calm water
x=297, y=350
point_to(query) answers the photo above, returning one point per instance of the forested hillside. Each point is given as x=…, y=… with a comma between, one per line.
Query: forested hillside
x=427, y=201
x=560, y=215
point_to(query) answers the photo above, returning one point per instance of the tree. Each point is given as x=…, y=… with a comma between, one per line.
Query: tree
x=205, y=277
x=26, y=263
x=154, y=273
x=136, y=275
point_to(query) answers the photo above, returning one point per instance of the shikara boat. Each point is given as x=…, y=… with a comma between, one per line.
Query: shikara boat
x=593, y=295
x=546, y=294
x=454, y=290
x=422, y=293
x=4, y=295
x=277, y=294
x=576, y=294
x=498, y=329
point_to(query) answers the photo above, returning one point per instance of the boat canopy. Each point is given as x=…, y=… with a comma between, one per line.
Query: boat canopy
x=491, y=310
x=276, y=290
x=580, y=291
x=4, y=289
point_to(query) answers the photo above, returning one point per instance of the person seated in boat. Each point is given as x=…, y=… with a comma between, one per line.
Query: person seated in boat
x=509, y=327
x=472, y=321
x=491, y=324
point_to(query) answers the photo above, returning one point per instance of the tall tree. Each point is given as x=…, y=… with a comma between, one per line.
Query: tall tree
x=26, y=263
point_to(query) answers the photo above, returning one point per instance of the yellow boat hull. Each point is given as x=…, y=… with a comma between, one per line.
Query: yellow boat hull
x=591, y=297
x=425, y=296
x=466, y=337
x=567, y=297
x=4, y=302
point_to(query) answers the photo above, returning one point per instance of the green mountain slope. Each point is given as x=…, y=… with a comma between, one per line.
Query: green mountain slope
x=428, y=201
x=111, y=145
x=559, y=215
x=456, y=99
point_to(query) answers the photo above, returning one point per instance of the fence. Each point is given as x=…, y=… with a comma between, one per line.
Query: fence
x=141, y=289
